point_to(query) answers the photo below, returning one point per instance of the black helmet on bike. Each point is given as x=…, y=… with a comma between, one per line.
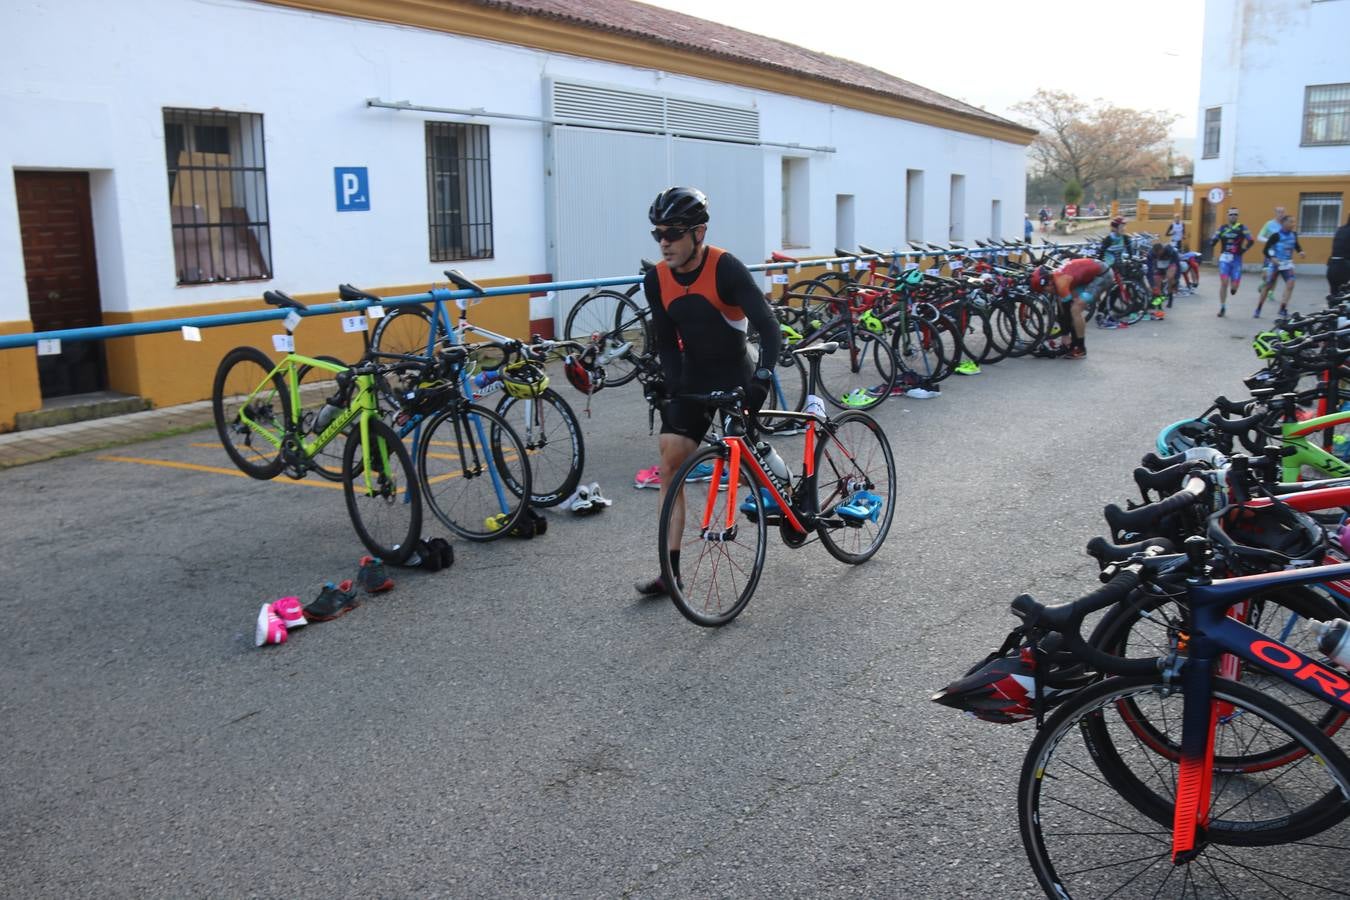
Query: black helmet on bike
x=683, y=207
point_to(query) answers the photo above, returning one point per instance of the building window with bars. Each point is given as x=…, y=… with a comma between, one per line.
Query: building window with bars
x=1326, y=114
x=1213, y=116
x=217, y=195
x=459, y=191
x=1318, y=214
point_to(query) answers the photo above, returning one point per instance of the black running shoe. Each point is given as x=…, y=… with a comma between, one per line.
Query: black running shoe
x=652, y=587
x=333, y=601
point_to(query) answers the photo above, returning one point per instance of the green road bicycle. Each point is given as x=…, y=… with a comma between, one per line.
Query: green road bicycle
x=274, y=418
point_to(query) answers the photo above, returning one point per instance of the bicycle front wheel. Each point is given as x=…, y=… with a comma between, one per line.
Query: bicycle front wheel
x=1095, y=803
x=553, y=444
x=721, y=536
x=384, y=500
x=251, y=407
x=619, y=324
x=475, y=472
x=855, y=487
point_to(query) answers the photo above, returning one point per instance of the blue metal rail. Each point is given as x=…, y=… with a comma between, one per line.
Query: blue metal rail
x=104, y=332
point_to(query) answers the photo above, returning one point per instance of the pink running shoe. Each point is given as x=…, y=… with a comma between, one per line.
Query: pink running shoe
x=270, y=630
x=648, y=478
x=289, y=611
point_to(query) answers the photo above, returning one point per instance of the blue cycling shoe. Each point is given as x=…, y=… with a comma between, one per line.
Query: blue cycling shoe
x=771, y=507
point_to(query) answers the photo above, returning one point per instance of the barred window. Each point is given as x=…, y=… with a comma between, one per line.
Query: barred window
x=1213, y=116
x=1318, y=214
x=1326, y=114
x=217, y=195
x=459, y=191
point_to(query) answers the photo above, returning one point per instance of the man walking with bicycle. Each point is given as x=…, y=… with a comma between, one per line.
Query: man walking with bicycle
x=703, y=301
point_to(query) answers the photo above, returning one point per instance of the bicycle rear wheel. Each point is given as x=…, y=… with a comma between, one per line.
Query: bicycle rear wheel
x=553, y=443
x=405, y=330
x=385, y=502
x=861, y=373
x=1095, y=804
x=251, y=409
x=618, y=324
x=475, y=472
x=316, y=386
x=855, y=470
x=720, y=562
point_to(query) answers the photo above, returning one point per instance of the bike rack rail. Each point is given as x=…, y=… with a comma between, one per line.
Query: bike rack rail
x=104, y=332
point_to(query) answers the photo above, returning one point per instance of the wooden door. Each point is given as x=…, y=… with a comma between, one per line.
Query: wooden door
x=58, y=256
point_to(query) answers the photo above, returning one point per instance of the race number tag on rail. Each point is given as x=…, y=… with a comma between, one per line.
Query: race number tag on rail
x=352, y=324
x=292, y=319
x=49, y=347
x=911, y=265
x=956, y=264
x=860, y=265
x=375, y=312
x=932, y=271
x=192, y=333
x=283, y=343
x=779, y=278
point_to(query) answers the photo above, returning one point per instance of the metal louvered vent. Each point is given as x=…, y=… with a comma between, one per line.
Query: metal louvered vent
x=606, y=106
x=711, y=119
x=585, y=104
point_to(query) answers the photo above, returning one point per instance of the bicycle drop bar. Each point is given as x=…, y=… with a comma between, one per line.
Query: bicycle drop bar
x=1165, y=481
x=1105, y=552
x=1134, y=520
x=1066, y=620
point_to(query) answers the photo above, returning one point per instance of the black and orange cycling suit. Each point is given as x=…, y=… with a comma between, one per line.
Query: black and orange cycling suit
x=700, y=319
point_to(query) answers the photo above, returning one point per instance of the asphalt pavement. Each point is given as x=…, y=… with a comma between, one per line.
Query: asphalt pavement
x=523, y=724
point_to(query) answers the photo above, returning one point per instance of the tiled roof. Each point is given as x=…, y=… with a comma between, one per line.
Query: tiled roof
x=700, y=36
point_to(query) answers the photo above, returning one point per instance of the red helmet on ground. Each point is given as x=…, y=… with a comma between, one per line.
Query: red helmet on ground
x=1003, y=689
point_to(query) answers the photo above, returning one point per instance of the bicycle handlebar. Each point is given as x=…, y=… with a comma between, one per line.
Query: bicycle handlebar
x=1066, y=620
x=1121, y=520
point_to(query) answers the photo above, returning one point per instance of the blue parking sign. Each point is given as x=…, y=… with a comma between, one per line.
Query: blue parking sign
x=353, y=188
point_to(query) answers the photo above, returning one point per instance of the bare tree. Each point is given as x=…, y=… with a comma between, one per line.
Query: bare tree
x=1096, y=144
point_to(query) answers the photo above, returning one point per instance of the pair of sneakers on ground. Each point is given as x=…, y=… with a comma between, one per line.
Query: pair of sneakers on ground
x=278, y=618
x=587, y=499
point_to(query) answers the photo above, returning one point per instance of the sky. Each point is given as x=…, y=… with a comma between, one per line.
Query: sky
x=1143, y=54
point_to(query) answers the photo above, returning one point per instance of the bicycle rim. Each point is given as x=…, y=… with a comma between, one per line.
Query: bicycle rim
x=385, y=502
x=720, y=561
x=553, y=444
x=474, y=471
x=249, y=407
x=1095, y=805
x=861, y=373
x=405, y=330
x=854, y=466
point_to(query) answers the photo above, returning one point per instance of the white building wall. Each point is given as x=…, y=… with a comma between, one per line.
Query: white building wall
x=1258, y=59
x=98, y=106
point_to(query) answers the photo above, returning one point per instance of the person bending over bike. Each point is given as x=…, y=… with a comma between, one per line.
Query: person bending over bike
x=702, y=299
x=1164, y=266
x=1280, y=249
x=1074, y=283
x=1234, y=239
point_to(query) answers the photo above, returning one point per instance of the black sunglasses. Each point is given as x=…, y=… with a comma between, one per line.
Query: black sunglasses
x=669, y=235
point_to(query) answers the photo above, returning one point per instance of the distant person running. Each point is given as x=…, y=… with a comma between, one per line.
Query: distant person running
x=1176, y=231
x=1280, y=250
x=1234, y=239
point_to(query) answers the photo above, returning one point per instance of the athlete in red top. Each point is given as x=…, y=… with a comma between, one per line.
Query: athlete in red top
x=1074, y=283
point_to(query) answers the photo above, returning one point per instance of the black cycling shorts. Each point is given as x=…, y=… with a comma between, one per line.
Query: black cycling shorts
x=687, y=419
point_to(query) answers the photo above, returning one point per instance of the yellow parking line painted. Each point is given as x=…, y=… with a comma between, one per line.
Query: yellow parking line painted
x=216, y=470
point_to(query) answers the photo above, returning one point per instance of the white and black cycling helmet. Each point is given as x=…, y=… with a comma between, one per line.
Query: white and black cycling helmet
x=682, y=207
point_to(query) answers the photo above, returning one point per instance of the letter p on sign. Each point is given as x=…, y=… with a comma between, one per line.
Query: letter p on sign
x=352, y=185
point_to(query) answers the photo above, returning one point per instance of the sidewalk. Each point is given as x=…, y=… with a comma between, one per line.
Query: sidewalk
x=20, y=447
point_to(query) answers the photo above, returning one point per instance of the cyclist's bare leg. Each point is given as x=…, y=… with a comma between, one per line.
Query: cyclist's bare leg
x=1288, y=292
x=675, y=449
x=1076, y=310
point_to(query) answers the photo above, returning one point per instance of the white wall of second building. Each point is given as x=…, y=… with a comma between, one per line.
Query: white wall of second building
x=101, y=109
x=1258, y=60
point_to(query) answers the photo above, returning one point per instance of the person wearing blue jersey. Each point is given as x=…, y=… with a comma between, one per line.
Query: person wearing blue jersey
x=1234, y=239
x=1280, y=249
